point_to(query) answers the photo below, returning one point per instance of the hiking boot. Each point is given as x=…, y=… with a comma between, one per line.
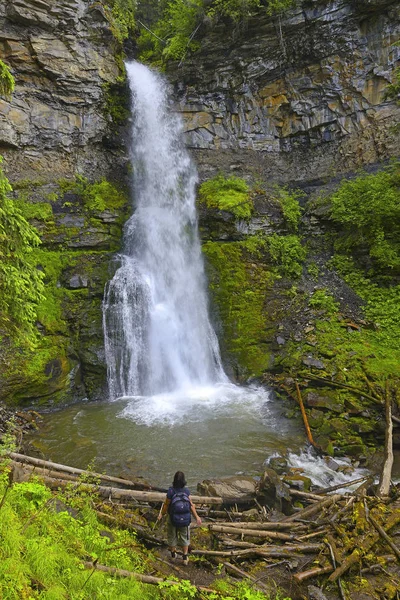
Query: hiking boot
x=173, y=555
x=185, y=559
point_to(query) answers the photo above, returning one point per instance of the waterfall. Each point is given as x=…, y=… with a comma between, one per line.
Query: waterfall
x=158, y=336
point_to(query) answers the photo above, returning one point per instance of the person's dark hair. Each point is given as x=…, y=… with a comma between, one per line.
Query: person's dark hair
x=179, y=480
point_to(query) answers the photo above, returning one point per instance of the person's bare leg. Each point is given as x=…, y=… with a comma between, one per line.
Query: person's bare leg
x=185, y=550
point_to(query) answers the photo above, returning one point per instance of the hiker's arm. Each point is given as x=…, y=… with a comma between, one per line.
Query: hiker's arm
x=164, y=508
x=194, y=512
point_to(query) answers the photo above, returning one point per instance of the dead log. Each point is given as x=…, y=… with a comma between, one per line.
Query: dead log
x=285, y=551
x=120, y=494
x=313, y=510
x=299, y=577
x=339, y=486
x=386, y=475
x=243, y=575
x=46, y=464
x=362, y=545
x=305, y=495
x=131, y=525
x=304, y=415
x=385, y=536
x=270, y=526
x=251, y=532
x=140, y=577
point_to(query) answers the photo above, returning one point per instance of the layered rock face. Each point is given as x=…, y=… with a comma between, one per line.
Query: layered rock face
x=61, y=55
x=54, y=127
x=295, y=97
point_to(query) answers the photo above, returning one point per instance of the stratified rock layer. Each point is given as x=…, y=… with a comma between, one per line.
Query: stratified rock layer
x=55, y=127
x=295, y=97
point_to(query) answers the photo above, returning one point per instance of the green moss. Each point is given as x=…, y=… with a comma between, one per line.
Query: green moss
x=238, y=286
x=230, y=194
x=117, y=102
x=40, y=211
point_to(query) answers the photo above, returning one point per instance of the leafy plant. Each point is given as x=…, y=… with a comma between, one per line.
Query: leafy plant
x=7, y=82
x=289, y=203
x=287, y=253
x=21, y=283
x=368, y=209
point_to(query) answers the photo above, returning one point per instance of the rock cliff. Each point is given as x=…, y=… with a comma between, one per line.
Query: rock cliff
x=295, y=97
x=57, y=127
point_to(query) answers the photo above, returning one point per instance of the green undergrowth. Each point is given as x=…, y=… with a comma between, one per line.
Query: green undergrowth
x=47, y=537
x=21, y=283
x=367, y=209
x=230, y=194
x=360, y=347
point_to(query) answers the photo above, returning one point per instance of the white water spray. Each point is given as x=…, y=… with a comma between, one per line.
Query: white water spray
x=158, y=337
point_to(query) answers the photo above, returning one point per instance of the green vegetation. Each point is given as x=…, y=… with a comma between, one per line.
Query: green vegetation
x=288, y=200
x=21, y=283
x=287, y=253
x=238, y=285
x=368, y=210
x=231, y=194
x=181, y=23
x=48, y=538
x=121, y=15
x=6, y=80
x=324, y=301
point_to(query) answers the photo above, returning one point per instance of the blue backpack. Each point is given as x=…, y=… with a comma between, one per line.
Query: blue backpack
x=180, y=510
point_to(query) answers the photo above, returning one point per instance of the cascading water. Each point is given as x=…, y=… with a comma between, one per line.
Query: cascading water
x=158, y=337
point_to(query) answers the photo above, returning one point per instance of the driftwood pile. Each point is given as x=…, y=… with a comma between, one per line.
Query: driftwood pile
x=333, y=538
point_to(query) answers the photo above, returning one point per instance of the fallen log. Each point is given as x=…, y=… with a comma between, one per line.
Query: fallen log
x=120, y=494
x=304, y=415
x=362, y=545
x=339, y=486
x=270, y=526
x=386, y=475
x=233, y=569
x=265, y=550
x=46, y=464
x=140, y=577
x=251, y=532
x=315, y=572
x=385, y=536
x=305, y=495
x=131, y=525
x=313, y=510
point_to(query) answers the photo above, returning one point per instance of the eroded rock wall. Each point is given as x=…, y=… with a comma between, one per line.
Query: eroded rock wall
x=296, y=97
x=55, y=127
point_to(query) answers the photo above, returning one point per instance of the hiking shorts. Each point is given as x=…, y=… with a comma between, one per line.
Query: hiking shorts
x=178, y=536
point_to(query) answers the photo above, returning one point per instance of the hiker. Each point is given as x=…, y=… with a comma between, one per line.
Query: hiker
x=179, y=506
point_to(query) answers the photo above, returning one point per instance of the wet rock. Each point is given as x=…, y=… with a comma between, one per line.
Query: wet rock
x=273, y=492
x=309, y=361
x=314, y=593
x=240, y=487
x=299, y=482
x=279, y=464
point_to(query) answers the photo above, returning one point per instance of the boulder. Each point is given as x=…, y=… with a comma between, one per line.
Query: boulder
x=273, y=492
x=238, y=487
